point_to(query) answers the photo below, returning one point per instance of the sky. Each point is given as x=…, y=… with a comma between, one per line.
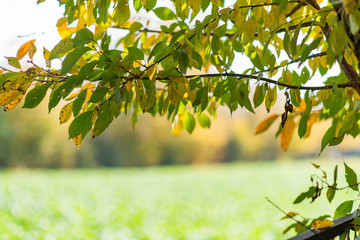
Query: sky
x=24, y=20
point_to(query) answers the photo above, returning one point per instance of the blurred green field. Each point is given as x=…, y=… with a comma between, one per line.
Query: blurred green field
x=197, y=203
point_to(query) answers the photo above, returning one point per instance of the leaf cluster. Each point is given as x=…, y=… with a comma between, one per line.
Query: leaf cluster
x=147, y=70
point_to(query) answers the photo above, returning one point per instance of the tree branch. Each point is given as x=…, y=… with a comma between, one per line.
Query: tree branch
x=268, y=80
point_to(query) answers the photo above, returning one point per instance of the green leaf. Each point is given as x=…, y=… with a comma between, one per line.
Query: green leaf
x=165, y=13
x=335, y=174
x=82, y=37
x=78, y=102
x=64, y=46
x=14, y=62
x=122, y=12
x=81, y=125
x=36, y=95
x=189, y=122
x=183, y=60
x=135, y=53
x=304, y=195
x=72, y=58
x=258, y=95
x=302, y=126
x=149, y=5
x=351, y=178
x=293, y=42
x=204, y=120
x=309, y=48
x=327, y=137
x=103, y=10
x=204, y=99
x=86, y=70
x=55, y=97
x=99, y=94
x=330, y=193
x=105, y=117
x=343, y=209
x=221, y=31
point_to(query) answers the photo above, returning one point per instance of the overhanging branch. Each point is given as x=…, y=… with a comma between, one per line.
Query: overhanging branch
x=268, y=80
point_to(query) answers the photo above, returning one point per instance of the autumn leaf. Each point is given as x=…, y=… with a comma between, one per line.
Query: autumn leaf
x=178, y=127
x=77, y=140
x=266, y=123
x=24, y=49
x=66, y=112
x=32, y=51
x=302, y=107
x=14, y=102
x=63, y=29
x=287, y=133
x=322, y=224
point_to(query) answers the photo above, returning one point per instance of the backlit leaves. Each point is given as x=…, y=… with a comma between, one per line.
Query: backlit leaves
x=64, y=46
x=23, y=50
x=266, y=123
x=14, y=62
x=66, y=112
x=286, y=133
x=81, y=125
x=148, y=69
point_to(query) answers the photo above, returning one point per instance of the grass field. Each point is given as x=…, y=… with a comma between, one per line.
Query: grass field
x=200, y=203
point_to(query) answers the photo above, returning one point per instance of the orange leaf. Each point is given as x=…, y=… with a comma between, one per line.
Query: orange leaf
x=78, y=140
x=326, y=223
x=302, y=106
x=24, y=49
x=287, y=133
x=266, y=123
x=313, y=118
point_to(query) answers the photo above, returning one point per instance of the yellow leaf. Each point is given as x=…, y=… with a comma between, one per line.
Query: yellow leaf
x=65, y=113
x=313, y=118
x=177, y=127
x=151, y=72
x=266, y=123
x=63, y=29
x=287, y=133
x=32, y=50
x=72, y=96
x=149, y=42
x=173, y=93
x=82, y=62
x=6, y=97
x=78, y=140
x=322, y=224
x=323, y=61
x=196, y=4
x=284, y=63
x=90, y=19
x=13, y=103
x=24, y=49
x=46, y=54
x=349, y=5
